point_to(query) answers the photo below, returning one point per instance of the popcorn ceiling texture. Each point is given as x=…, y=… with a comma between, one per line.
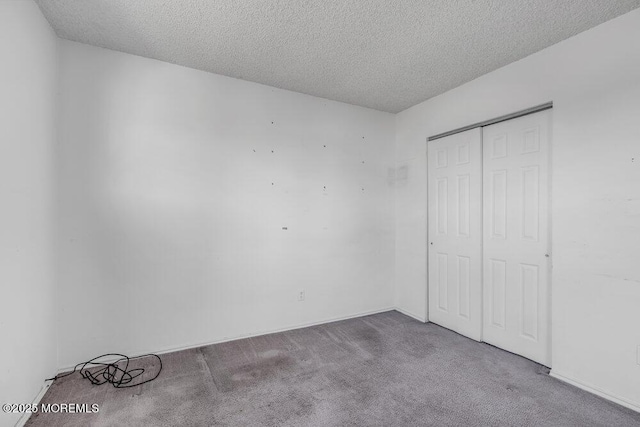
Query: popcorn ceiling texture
x=386, y=55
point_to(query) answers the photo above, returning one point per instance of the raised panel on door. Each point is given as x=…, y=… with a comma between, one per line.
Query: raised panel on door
x=455, y=232
x=516, y=243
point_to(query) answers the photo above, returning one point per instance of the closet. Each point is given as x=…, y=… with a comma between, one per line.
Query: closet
x=488, y=225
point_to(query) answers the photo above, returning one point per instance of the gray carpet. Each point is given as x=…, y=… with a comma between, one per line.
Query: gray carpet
x=380, y=370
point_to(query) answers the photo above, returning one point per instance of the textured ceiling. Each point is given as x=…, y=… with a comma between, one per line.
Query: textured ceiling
x=383, y=54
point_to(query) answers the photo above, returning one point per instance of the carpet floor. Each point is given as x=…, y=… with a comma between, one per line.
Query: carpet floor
x=381, y=370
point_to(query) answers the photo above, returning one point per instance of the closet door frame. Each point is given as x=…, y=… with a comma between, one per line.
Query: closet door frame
x=547, y=214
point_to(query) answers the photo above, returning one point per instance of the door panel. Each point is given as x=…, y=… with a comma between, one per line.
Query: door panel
x=455, y=232
x=516, y=239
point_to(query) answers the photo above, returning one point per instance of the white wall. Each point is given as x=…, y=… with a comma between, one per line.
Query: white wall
x=28, y=80
x=171, y=228
x=594, y=81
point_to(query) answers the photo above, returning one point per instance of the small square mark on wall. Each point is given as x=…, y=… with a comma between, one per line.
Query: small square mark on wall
x=398, y=176
x=403, y=172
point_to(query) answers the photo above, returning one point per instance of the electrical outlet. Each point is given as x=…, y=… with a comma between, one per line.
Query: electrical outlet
x=301, y=296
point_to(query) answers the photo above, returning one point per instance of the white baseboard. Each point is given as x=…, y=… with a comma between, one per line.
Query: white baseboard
x=239, y=337
x=36, y=402
x=410, y=314
x=597, y=391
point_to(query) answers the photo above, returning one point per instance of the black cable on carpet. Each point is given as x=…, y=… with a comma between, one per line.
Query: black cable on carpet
x=112, y=373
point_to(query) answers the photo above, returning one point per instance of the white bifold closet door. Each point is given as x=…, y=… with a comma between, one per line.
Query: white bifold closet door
x=455, y=232
x=516, y=236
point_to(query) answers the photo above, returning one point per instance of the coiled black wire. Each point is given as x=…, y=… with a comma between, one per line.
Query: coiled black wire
x=112, y=373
